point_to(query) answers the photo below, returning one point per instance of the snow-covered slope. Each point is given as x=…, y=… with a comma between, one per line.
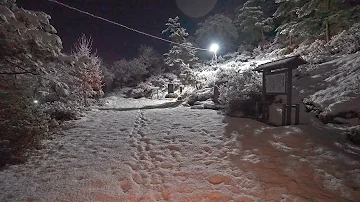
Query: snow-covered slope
x=334, y=85
x=180, y=154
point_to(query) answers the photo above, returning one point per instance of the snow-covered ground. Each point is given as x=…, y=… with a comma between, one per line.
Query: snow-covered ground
x=122, y=153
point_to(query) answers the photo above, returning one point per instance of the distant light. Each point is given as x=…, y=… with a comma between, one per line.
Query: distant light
x=214, y=48
x=36, y=101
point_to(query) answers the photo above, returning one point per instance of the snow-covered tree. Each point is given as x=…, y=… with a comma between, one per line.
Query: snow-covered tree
x=121, y=71
x=151, y=59
x=108, y=77
x=327, y=17
x=127, y=71
x=217, y=28
x=88, y=68
x=138, y=69
x=182, y=53
x=252, y=22
x=314, y=18
x=28, y=43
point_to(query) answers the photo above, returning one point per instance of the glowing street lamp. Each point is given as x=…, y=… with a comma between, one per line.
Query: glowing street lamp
x=36, y=101
x=214, y=48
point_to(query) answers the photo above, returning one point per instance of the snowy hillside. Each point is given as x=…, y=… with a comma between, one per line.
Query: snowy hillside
x=334, y=85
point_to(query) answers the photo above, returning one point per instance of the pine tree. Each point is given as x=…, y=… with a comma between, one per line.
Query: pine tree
x=183, y=52
x=313, y=18
x=326, y=17
x=252, y=22
x=290, y=25
x=220, y=28
x=88, y=68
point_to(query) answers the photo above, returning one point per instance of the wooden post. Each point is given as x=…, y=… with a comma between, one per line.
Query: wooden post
x=283, y=114
x=170, y=88
x=297, y=114
x=289, y=96
x=264, y=116
x=216, y=95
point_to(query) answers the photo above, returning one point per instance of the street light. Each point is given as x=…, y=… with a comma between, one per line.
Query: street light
x=214, y=48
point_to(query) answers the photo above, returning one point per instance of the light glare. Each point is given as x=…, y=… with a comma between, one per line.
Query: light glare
x=214, y=48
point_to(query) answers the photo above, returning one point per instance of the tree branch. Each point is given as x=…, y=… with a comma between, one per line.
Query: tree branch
x=15, y=73
x=25, y=71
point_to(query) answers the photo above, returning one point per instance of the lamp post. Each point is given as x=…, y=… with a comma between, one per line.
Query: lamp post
x=214, y=48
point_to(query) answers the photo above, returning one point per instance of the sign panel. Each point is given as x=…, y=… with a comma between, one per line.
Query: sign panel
x=275, y=83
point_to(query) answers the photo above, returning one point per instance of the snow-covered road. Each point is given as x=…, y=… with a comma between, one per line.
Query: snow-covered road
x=180, y=154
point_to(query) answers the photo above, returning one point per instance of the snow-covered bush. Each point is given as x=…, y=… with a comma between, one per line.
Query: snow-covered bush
x=144, y=89
x=354, y=135
x=347, y=41
x=223, y=75
x=200, y=95
x=108, y=78
x=187, y=76
x=154, y=86
x=315, y=52
x=241, y=91
x=62, y=111
x=22, y=124
x=163, y=80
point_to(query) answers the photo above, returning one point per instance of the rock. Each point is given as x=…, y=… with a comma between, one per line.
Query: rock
x=197, y=107
x=137, y=93
x=171, y=95
x=237, y=114
x=200, y=95
x=211, y=105
x=218, y=179
x=354, y=135
x=4, y=158
x=185, y=105
x=352, y=121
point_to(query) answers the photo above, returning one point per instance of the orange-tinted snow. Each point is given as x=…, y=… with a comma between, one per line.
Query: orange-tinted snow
x=180, y=154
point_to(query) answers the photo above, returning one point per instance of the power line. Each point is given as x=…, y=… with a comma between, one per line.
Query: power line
x=124, y=26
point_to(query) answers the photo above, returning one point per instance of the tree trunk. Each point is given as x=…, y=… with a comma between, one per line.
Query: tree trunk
x=327, y=24
x=327, y=31
x=262, y=40
x=84, y=95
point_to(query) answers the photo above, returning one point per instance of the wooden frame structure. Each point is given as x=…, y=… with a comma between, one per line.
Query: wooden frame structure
x=277, y=80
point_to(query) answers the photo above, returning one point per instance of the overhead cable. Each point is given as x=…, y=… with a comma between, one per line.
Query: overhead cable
x=124, y=26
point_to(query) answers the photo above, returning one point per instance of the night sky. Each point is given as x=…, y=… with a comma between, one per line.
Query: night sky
x=110, y=41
